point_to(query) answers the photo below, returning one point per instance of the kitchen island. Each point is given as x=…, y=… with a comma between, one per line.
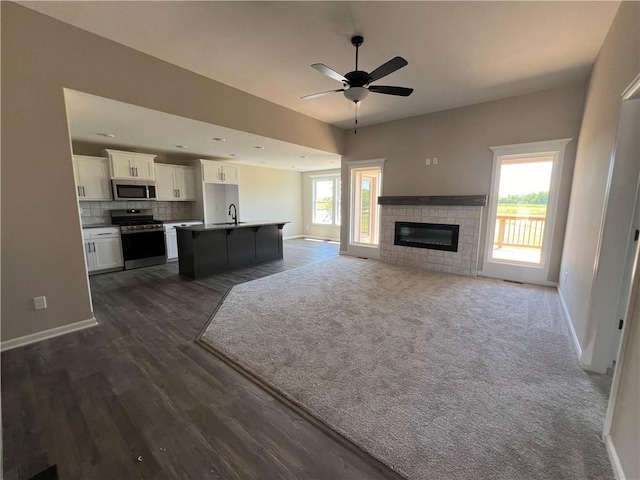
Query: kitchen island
x=207, y=249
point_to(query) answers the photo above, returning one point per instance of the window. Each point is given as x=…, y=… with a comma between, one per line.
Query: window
x=326, y=200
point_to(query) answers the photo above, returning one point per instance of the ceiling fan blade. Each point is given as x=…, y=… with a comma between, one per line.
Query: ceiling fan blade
x=321, y=94
x=400, y=91
x=322, y=68
x=385, y=69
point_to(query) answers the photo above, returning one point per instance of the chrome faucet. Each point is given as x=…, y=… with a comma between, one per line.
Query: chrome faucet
x=234, y=215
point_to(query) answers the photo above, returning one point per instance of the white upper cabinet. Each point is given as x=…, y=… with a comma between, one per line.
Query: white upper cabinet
x=175, y=183
x=218, y=172
x=92, y=178
x=131, y=165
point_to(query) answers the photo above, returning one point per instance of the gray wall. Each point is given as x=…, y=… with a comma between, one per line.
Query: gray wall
x=617, y=65
x=42, y=250
x=461, y=138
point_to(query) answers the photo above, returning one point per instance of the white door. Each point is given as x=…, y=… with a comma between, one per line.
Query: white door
x=143, y=168
x=107, y=253
x=522, y=208
x=171, y=241
x=122, y=166
x=230, y=174
x=365, y=185
x=92, y=178
x=184, y=183
x=165, y=186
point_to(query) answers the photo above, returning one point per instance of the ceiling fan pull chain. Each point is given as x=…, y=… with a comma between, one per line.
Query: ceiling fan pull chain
x=355, y=128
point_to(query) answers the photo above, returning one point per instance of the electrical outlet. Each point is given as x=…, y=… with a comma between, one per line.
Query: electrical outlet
x=40, y=302
x=435, y=160
x=427, y=161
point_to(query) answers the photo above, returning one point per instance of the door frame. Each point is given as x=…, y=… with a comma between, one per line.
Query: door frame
x=511, y=270
x=359, y=249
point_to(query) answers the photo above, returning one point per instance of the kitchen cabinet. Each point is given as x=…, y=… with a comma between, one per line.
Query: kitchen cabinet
x=175, y=183
x=171, y=237
x=92, y=178
x=131, y=165
x=103, y=249
x=217, y=172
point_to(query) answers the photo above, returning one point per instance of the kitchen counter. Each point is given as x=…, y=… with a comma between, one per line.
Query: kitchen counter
x=207, y=249
x=232, y=225
x=171, y=222
x=100, y=225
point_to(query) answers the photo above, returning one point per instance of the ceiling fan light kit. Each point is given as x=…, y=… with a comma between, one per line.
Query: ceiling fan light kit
x=356, y=94
x=357, y=84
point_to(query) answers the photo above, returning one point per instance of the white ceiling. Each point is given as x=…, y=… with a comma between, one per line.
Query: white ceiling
x=136, y=127
x=459, y=53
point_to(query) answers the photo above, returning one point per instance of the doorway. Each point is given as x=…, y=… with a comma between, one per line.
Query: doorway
x=364, y=226
x=522, y=208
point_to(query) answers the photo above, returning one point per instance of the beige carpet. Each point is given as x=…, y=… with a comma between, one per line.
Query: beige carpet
x=440, y=376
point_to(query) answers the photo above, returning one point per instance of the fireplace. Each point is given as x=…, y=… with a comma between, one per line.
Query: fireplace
x=434, y=236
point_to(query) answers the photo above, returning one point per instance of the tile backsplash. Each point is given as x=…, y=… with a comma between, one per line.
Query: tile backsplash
x=96, y=213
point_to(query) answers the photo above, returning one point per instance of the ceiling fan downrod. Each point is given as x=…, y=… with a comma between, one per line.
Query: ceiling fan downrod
x=356, y=41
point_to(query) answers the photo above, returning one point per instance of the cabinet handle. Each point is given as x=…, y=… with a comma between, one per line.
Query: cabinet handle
x=89, y=247
x=178, y=193
x=94, y=246
x=78, y=189
x=83, y=194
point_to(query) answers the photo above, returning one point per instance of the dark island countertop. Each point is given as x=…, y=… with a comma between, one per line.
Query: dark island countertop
x=231, y=225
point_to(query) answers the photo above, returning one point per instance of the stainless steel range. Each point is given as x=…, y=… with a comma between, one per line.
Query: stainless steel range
x=142, y=237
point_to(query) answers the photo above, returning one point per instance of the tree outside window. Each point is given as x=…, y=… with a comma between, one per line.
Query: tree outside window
x=326, y=200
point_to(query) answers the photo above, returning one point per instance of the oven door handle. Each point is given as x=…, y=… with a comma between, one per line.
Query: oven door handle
x=142, y=231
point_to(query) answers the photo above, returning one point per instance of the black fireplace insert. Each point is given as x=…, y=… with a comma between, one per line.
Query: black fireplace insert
x=436, y=236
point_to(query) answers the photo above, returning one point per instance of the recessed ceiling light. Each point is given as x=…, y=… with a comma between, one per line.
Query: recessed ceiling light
x=233, y=154
x=259, y=147
x=182, y=146
x=108, y=135
x=219, y=139
x=303, y=156
x=263, y=162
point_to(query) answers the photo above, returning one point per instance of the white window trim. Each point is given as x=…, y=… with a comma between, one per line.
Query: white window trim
x=358, y=249
x=336, y=179
x=527, y=273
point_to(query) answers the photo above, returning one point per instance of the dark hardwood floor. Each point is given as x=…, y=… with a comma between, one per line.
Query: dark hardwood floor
x=135, y=397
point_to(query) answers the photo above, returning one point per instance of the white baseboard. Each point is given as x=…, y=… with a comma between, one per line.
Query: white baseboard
x=291, y=237
x=318, y=237
x=613, y=458
x=572, y=332
x=47, y=334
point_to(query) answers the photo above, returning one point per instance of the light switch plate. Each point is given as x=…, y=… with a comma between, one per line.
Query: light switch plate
x=40, y=302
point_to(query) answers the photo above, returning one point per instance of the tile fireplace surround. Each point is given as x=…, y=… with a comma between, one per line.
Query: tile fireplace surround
x=455, y=210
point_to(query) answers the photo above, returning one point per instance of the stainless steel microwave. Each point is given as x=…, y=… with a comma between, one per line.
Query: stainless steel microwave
x=134, y=189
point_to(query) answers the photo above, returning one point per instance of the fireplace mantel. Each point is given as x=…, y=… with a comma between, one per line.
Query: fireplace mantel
x=446, y=200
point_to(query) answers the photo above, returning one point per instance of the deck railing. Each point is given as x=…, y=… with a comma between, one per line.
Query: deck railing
x=519, y=231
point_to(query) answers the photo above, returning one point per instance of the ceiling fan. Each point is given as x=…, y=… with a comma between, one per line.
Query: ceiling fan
x=357, y=84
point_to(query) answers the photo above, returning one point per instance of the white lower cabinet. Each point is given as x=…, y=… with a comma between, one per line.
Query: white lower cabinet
x=102, y=248
x=171, y=237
